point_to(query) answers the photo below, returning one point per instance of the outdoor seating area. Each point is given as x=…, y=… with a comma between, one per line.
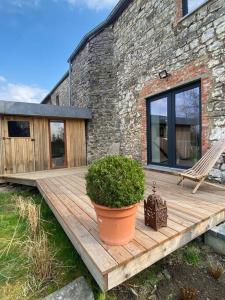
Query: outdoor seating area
x=189, y=216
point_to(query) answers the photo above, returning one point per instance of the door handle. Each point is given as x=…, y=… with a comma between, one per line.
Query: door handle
x=32, y=140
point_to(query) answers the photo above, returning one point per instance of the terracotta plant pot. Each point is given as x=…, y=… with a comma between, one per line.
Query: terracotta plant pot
x=116, y=226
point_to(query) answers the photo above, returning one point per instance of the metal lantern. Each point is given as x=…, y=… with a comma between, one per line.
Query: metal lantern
x=155, y=210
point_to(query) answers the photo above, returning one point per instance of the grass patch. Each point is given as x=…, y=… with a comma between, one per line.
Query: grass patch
x=20, y=251
x=192, y=256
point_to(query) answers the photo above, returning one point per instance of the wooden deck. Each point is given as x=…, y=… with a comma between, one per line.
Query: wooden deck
x=31, y=178
x=189, y=216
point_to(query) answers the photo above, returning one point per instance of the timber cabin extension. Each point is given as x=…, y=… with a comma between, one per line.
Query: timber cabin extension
x=36, y=137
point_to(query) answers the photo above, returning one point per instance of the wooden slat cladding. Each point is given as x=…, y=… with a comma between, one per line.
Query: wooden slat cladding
x=41, y=150
x=2, y=151
x=21, y=155
x=19, y=151
x=76, y=143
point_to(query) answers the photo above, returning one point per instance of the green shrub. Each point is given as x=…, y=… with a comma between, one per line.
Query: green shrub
x=115, y=181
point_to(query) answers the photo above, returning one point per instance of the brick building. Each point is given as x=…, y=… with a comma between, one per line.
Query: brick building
x=153, y=74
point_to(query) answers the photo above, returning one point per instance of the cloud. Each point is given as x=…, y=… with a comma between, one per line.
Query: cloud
x=2, y=79
x=94, y=4
x=91, y=4
x=20, y=3
x=20, y=92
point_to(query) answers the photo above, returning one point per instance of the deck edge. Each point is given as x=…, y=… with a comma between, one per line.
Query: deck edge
x=97, y=275
x=142, y=262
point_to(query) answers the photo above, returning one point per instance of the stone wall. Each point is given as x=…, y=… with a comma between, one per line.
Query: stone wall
x=62, y=91
x=93, y=85
x=218, y=173
x=118, y=69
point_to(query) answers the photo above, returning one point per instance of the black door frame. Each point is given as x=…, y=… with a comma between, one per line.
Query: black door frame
x=171, y=123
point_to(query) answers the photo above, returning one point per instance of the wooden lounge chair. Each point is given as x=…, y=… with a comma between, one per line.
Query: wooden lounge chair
x=200, y=171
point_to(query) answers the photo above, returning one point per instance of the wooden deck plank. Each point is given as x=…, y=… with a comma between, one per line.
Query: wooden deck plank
x=100, y=279
x=123, y=273
x=103, y=260
x=134, y=247
x=87, y=217
x=188, y=217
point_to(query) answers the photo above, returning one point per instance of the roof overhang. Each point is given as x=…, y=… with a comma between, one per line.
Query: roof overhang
x=43, y=110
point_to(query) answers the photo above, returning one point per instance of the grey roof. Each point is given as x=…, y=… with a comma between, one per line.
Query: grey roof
x=55, y=87
x=43, y=110
x=116, y=12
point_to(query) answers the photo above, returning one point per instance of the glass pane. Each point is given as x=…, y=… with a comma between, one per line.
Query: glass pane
x=187, y=127
x=57, y=144
x=193, y=4
x=18, y=129
x=159, y=131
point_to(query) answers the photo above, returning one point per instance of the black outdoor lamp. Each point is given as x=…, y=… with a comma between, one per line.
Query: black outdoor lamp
x=163, y=74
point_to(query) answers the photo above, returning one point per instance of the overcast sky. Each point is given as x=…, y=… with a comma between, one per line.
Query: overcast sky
x=36, y=39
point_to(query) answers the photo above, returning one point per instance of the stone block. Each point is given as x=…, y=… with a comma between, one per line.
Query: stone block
x=215, y=238
x=215, y=173
x=222, y=168
x=77, y=289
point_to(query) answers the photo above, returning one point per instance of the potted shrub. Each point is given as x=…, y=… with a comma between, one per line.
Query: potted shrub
x=115, y=185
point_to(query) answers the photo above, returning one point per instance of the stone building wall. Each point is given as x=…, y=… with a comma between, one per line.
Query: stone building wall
x=61, y=90
x=118, y=69
x=93, y=85
x=80, y=79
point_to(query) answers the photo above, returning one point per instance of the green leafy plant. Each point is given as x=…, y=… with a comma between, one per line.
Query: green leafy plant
x=115, y=181
x=192, y=256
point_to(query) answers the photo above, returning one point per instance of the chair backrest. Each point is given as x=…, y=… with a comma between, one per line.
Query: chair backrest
x=208, y=160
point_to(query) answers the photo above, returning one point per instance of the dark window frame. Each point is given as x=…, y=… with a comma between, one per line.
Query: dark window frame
x=170, y=94
x=57, y=100
x=184, y=7
x=20, y=136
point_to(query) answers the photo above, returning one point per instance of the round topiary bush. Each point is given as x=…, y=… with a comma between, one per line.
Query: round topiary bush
x=115, y=181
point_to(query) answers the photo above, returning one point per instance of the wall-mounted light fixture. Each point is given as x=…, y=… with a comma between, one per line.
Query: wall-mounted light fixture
x=163, y=74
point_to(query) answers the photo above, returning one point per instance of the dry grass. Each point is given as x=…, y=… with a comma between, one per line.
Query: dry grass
x=189, y=294
x=37, y=249
x=33, y=216
x=21, y=204
x=28, y=209
x=32, y=265
x=41, y=257
x=216, y=270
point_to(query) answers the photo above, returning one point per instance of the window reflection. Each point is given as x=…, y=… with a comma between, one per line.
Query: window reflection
x=57, y=144
x=187, y=127
x=193, y=4
x=159, y=131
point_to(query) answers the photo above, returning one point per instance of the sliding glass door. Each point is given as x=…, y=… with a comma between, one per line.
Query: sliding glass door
x=174, y=135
